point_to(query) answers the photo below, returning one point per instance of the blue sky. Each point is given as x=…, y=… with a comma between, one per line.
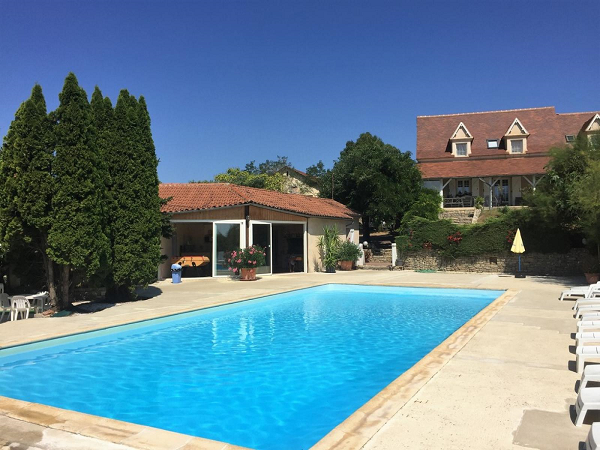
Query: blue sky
x=227, y=82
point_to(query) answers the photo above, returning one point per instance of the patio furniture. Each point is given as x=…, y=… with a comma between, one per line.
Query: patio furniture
x=38, y=300
x=587, y=310
x=593, y=290
x=20, y=306
x=4, y=305
x=587, y=399
x=587, y=337
x=593, y=438
x=588, y=325
x=590, y=374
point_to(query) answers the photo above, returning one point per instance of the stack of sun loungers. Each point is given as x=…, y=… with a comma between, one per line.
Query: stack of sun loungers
x=587, y=313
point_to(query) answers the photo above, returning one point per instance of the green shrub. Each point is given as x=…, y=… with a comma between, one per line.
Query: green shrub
x=348, y=251
x=494, y=236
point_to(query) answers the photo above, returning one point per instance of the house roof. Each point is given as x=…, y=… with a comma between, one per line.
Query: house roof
x=201, y=196
x=465, y=168
x=546, y=129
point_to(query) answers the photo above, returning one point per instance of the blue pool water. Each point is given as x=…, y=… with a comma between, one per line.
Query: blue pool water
x=275, y=372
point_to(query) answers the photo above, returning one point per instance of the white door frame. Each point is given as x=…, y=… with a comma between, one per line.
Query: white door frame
x=262, y=222
x=214, y=249
x=304, y=240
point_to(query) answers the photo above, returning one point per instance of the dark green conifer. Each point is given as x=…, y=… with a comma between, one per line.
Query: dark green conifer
x=26, y=183
x=76, y=240
x=135, y=212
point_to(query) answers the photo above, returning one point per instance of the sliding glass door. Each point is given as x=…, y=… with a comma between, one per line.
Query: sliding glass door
x=227, y=236
x=261, y=234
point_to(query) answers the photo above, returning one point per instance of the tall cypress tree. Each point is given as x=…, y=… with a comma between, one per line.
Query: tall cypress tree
x=26, y=182
x=76, y=239
x=135, y=212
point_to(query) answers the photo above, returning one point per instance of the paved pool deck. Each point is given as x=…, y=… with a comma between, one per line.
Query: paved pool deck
x=507, y=383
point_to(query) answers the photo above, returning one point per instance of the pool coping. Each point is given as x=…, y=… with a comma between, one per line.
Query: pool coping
x=366, y=421
x=354, y=432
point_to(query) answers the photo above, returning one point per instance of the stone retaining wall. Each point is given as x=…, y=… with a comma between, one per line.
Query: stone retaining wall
x=531, y=263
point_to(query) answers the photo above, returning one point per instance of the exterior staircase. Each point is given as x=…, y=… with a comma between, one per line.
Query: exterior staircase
x=461, y=216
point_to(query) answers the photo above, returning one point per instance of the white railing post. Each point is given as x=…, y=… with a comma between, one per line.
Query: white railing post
x=361, y=258
x=394, y=254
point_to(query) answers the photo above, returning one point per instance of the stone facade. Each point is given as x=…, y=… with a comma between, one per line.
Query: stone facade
x=558, y=264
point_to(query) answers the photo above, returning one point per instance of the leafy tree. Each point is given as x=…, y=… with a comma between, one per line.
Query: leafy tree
x=268, y=167
x=76, y=237
x=426, y=206
x=567, y=195
x=240, y=177
x=586, y=197
x=316, y=170
x=26, y=184
x=135, y=205
x=375, y=179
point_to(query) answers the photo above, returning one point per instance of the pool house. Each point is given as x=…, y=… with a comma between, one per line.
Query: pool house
x=211, y=219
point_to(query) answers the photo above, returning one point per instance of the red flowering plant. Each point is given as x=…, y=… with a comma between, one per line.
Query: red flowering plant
x=455, y=238
x=510, y=236
x=245, y=258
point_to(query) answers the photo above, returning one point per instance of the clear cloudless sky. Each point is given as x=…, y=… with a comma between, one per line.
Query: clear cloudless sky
x=227, y=82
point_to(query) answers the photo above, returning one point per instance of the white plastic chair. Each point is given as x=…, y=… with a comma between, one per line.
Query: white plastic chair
x=5, y=306
x=593, y=439
x=20, y=306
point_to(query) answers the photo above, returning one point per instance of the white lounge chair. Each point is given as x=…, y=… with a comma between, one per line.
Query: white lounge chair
x=590, y=315
x=581, y=291
x=588, y=325
x=590, y=374
x=587, y=399
x=20, y=307
x=593, y=438
x=5, y=307
x=587, y=310
x=587, y=337
x=584, y=353
x=586, y=302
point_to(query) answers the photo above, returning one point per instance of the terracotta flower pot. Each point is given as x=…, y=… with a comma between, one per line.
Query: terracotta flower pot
x=346, y=265
x=248, y=274
x=592, y=278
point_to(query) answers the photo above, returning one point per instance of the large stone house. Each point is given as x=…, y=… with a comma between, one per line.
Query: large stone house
x=495, y=154
x=298, y=182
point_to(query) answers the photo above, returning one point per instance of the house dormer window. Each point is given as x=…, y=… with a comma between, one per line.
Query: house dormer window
x=516, y=138
x=593, y=129
x=461, y=141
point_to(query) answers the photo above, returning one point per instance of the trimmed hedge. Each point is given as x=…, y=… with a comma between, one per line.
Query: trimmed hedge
x=494, y=236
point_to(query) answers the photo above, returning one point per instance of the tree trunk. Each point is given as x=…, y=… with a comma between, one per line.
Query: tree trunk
x=49, y=267
x=50, y=282
x=65, y=281
x=366, y=228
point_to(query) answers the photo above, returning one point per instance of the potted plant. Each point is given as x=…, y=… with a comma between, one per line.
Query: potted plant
x=591, y=269
x=244, y=261
x=329, y=244
x=348, y=254
x=402, y=246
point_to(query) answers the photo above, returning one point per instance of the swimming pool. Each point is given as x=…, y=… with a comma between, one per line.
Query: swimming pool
x=273, y=372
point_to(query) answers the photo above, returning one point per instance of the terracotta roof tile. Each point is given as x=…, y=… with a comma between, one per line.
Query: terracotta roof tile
x=546, y=129
x=464, y=168
x=199, y=196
